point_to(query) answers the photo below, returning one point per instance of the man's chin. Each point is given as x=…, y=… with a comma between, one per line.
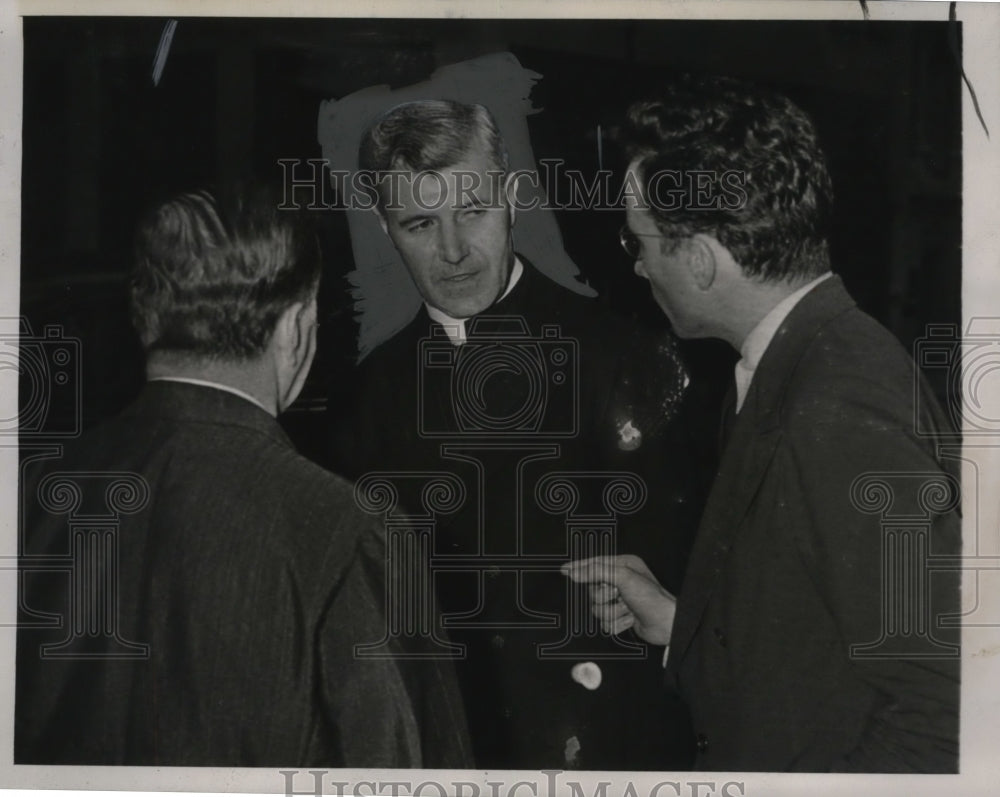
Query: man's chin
x=465, y=313
x=459, y=308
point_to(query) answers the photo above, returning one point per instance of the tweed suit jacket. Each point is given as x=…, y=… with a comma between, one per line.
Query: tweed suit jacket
x=250, y=577
x=792, y=643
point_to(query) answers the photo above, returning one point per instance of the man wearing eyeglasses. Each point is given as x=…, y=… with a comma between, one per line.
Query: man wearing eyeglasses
x=503, y=379
x=810, y=633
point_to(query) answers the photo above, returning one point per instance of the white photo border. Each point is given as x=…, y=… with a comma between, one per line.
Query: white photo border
x=980, y=765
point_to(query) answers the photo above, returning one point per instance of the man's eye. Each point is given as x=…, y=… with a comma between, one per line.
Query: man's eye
x=472, y=211
x=418, y=226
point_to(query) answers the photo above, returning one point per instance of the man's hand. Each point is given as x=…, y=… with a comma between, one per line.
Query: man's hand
x=625, y=594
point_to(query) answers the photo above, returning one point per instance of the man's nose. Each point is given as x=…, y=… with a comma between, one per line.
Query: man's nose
x=639, y=270
x=452, y=244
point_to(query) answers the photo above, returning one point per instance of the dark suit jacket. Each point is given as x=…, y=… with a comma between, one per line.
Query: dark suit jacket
x=250, y=576
x=788, y=570
x=525, y=711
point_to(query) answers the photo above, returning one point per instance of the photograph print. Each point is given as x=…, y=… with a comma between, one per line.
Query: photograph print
x=493, y=394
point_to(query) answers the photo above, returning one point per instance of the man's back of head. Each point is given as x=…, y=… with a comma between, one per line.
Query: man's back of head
x=233, y=580
x=224, y=288
x=751, y=169
x=728, y=204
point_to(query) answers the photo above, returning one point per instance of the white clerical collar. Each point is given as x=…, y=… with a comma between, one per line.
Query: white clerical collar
x=760, y=337
x=216, y=385
x=454, y=328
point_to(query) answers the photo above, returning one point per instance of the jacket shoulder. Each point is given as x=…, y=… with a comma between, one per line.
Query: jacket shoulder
x=852, y=359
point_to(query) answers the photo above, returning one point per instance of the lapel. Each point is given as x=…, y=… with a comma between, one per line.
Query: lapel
x=728, y=420
x=748, y=453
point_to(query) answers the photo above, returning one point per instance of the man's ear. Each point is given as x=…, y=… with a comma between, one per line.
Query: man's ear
x=510, y=192
x=701, y=260
x=293, y=334
x=294, y=346
x=288, y=332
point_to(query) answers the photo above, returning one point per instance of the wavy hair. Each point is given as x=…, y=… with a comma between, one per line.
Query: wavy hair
x=779, y=230
x=214, y=271
x=430, y=135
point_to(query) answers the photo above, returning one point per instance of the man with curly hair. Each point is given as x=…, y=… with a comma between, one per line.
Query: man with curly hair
x=790, y=639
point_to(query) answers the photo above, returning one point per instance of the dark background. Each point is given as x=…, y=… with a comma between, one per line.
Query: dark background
x=101, y=143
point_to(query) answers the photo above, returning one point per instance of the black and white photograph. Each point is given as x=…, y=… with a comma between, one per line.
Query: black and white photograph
x=473, y=401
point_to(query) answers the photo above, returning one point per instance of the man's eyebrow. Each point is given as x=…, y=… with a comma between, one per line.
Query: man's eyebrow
x=470, y=201
x=412, y=217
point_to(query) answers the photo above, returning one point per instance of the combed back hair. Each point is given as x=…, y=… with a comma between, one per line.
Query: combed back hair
x=215, y=270
x=430, y=135
x=780, y=232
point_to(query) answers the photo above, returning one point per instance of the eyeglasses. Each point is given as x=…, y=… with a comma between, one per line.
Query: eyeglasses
x=630, y=240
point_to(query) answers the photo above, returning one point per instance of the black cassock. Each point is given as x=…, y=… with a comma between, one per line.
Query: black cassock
x=556, y=431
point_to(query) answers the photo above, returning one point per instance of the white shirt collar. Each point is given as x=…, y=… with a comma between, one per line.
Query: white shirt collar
x=205, y=383
x=760, y=337
x=454, y=328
